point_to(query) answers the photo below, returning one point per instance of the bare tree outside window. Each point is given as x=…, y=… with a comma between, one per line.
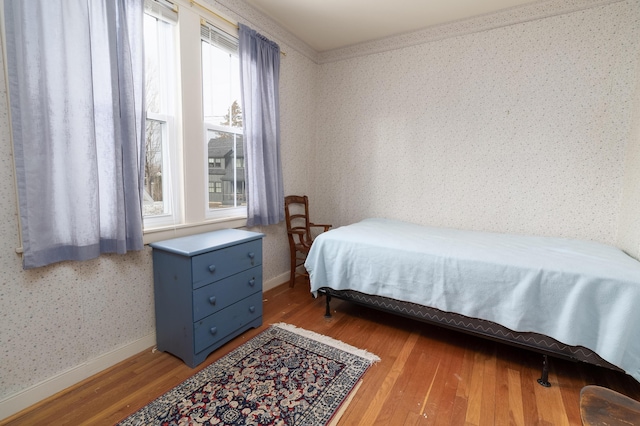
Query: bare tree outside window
x=153, y=166
x=234, y=117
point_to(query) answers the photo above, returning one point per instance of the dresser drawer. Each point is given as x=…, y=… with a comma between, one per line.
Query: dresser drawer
x=213, y=297
x=217, y=326
x=219, y=264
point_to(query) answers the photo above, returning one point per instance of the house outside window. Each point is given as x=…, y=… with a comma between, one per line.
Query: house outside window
x=215, y=163
x=230, y=178
x=215, y=187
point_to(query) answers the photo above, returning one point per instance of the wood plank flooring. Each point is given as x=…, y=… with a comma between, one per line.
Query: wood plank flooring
x=427, y=375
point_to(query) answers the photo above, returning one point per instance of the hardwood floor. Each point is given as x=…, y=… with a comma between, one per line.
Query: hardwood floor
x=427, y=375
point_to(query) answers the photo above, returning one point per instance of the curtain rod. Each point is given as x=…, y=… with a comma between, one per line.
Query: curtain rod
x=217, y=15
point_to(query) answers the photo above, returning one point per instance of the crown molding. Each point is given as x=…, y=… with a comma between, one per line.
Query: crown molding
x=540, y=9
x=247, y=14
x=530, y=12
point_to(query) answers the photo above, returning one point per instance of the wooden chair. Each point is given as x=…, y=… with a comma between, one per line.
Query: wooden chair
x=296, y=208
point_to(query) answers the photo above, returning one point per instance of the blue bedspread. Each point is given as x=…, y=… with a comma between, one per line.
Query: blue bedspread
x=580, y=293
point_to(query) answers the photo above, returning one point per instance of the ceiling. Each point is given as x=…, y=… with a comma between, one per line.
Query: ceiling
x=331, y=24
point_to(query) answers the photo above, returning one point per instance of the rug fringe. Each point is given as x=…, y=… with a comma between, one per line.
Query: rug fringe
x=329, y=341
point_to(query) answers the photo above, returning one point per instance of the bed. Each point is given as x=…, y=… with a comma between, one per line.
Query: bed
x=560, y=297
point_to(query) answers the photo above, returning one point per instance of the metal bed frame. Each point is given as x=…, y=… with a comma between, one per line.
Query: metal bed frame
x=535, y=342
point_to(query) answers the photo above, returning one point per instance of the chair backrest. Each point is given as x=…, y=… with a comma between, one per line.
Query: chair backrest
x=296, y=209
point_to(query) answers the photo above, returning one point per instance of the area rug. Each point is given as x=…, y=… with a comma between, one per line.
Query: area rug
x=283, y=376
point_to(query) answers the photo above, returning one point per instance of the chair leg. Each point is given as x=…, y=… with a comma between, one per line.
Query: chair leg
x=292, y=277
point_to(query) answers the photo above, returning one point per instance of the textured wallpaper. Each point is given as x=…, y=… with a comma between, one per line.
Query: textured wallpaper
x=58, y=317
x=55, y=318
x=522, y=128
x=629, y=228
x=518, y=129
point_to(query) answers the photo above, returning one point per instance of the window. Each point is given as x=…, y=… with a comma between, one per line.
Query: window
x=160, y=141
x=194, y=174
x=230, y=178
x=222, y=116
x=216, y=163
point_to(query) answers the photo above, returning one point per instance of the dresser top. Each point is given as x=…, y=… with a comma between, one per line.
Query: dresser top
x=201, y=243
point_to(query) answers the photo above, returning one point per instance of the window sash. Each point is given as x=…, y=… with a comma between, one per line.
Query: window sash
x=164, y=112
x=218, y=38
x=170, y=208
x=162, y=9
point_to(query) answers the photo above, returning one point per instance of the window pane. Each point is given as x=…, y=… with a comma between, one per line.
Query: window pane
x=220, y=87
x=153, y=188
x=153, y=91
x=160, y=76
x=226, y=179
x=222, y=114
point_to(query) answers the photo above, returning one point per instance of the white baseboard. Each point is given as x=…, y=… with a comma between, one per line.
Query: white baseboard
x=275, y=282
x=59, y=382
x=36, y=393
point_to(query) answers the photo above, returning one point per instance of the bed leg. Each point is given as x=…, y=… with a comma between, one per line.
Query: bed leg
x=544, y=379
x=327, y=313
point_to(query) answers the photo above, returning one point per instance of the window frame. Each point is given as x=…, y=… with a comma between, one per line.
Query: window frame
x=191, y=194
x=218, y=38
x=169, y=115
x=171, y=179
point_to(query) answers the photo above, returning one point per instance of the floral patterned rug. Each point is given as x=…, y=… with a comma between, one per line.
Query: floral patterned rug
x=283, y=376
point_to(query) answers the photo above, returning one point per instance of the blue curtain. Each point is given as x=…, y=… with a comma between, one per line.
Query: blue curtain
x=76, y=92
x=259, y=78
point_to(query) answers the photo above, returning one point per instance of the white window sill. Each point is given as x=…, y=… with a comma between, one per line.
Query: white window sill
x=174, y=231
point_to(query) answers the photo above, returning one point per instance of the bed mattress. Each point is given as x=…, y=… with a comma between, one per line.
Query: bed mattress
x=579, y=293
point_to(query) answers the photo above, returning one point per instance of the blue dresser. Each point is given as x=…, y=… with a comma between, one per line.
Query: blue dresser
x=208, y=290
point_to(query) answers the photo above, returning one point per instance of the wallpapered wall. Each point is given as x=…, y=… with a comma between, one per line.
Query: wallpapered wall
x=629, y=229
x=521, y=129
x=56, y=318
x=517, y=129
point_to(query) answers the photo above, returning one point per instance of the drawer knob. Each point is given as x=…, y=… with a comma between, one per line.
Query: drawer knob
x=252, y=282
x=252, y=309
x=212, y=300
x=213, y=330
x=252, y=255
x=212, y=268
